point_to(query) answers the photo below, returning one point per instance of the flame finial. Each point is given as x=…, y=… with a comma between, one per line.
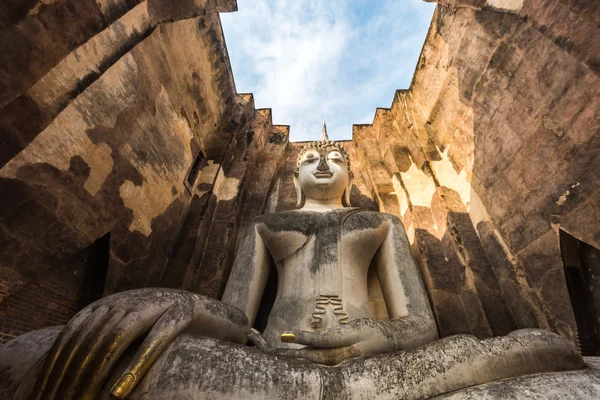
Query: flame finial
x=324, y=136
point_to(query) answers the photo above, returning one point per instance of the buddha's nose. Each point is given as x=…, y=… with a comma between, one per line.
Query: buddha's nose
x=322, y=165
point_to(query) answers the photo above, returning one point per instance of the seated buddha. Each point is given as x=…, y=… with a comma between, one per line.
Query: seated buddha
x=349, y=308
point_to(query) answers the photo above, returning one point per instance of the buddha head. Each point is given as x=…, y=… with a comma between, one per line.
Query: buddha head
x=323, y=172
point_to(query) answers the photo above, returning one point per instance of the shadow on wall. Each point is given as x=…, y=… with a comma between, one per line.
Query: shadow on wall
x=533, y=159
x=97, y=138
x=502, y=126
x=465, y=294
x=533, y=155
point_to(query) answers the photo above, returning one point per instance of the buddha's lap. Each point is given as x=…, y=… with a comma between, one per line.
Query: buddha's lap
x=198, y=367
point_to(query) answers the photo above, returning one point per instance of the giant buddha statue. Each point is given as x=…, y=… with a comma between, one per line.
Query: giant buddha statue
x=351, y=319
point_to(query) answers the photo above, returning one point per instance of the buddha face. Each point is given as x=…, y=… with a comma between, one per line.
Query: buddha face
x=323, y=174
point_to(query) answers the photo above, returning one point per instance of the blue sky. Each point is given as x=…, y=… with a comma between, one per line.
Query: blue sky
x=337, y=60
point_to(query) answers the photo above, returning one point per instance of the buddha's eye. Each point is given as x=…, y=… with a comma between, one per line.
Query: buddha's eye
x=335, y=156
x=309, y=158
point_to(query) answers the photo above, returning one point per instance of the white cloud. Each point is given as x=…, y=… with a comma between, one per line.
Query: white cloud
x=335, y=60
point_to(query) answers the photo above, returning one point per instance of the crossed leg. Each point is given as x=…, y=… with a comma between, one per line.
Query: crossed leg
x=202, y=368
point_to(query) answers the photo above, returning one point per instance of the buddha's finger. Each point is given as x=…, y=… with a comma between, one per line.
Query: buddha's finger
x=126, y=332
x=256, y=338
x=82, y=365
x=69, y=350
x=329, y=338
x=173, y=322
x=56, y=349
x=328, y=356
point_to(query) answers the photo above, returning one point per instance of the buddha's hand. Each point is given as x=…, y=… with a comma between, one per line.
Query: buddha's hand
x=361, y=338
x=93, y=340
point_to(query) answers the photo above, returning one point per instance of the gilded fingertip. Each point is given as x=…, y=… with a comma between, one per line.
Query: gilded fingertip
x=123, y=386
x=288, y=337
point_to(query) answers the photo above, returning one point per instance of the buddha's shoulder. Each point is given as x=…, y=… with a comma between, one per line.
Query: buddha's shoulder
x=365, y=219
x=307, y=221
x=292, y=220
x=392, y=218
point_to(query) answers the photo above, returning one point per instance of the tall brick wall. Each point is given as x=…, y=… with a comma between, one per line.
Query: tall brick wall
x=103, y=114
x=490, y=153
x=38, y=305
x=56, y=294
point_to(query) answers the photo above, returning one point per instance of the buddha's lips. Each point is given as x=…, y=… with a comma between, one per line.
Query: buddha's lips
x=323, y=174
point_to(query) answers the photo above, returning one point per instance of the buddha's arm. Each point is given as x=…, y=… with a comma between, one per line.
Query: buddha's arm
x=408, y=307
x=90, y=344
x=246, y=284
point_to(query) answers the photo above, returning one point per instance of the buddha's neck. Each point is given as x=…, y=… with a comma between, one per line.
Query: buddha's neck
x=322, y=205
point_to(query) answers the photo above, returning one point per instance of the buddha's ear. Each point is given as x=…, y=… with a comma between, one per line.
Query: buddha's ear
x=346, y=196
x=298, y=191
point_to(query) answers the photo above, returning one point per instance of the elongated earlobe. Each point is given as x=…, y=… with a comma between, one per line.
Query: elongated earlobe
x=299, y=199
x=346, y=195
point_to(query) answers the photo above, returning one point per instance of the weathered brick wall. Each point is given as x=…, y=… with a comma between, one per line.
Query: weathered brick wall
x=229, y=194
x=103, y=112
x=56, y=294
x=37, y=305
x=492, y=150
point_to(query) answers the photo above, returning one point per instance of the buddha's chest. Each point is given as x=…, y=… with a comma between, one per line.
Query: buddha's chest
x=320, y=239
